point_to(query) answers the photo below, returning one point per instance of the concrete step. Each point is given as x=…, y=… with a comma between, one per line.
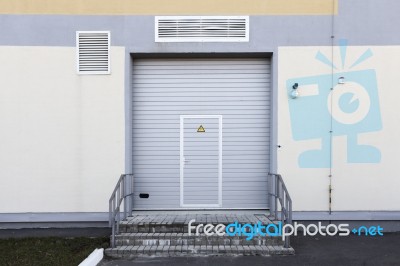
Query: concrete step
x=162, y=239
x=128, y=252
x=166, y=234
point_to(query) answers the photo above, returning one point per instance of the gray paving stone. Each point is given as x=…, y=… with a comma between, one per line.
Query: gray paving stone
x=134, y=249
x=292, y=251
x=215, y=250
x=127, y=250
x=253, y=250
x=121, y=249
x=191, y=249
x=198, y=241
x=259, y=250
x=150, y=250
x=111, y=251
x=236, y=242
x=190, y=241
x=271, y=249
x=184, y=249
x=203, y=249
x=228, y=249
x=178, y=250
x=221, y=249
x=140, y=249
x=265, y=250
x=247, y=250
x=234, y=249
x=278, y=250
x=240, y=249
x=146, y=250
x=209, y=249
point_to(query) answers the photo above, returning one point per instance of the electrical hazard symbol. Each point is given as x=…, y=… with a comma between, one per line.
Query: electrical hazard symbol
x=201, y=129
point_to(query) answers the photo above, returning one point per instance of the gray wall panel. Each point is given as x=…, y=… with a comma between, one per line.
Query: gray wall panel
x=363, y=22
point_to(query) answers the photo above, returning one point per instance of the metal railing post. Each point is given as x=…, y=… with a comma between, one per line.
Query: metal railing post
x=131, y=195
x=129, y=198
x=122, y=194
x=124, y=189
x=281, y=195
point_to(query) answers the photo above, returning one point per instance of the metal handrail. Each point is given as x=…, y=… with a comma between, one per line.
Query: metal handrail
x=123, y=193
x=280, y=195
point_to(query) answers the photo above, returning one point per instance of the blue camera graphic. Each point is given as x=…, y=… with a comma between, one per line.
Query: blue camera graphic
x=345, y=110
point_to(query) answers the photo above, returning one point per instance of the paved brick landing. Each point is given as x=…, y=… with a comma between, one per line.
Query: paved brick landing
x=178, y=222
x=166, y=234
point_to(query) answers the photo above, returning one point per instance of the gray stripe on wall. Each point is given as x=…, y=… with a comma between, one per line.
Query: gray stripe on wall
x=53, y=217
x=347, y=215
x=363, y=22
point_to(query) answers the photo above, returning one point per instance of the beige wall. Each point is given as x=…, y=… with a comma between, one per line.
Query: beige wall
x=62, y=134
x=170, y=7
x=356, y=186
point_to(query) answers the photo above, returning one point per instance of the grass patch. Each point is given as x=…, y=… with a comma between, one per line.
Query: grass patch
x=49, y=250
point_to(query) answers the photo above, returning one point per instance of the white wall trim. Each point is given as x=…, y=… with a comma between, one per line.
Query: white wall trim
x=347, y=215
x=53, y=217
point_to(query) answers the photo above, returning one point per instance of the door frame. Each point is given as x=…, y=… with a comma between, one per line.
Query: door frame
x=181, y=162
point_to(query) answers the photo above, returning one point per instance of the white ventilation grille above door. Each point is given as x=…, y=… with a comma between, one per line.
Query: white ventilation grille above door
x=93, y=52
x=202, y=29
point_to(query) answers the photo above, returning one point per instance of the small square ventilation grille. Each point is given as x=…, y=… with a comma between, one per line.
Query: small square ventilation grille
x=93, y=52
x=202, y=29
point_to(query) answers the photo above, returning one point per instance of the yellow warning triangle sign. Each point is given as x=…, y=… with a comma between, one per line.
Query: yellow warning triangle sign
x=201, y=129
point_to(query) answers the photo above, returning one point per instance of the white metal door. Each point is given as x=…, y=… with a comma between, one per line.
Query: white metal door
x=201, y=161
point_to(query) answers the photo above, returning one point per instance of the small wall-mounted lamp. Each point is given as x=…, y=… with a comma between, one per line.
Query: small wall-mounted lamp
x=340, y=80
x=294, y=94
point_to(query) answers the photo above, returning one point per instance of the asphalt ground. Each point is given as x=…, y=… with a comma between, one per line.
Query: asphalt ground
x=321, y=251
x=316, y=250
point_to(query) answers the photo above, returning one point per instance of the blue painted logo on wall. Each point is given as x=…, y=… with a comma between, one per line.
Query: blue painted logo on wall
x=348, y=109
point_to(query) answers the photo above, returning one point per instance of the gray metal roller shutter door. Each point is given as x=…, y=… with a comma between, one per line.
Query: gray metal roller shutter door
x=238, y=90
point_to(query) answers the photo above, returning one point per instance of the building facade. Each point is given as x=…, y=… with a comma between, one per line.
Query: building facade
x=199, y=100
